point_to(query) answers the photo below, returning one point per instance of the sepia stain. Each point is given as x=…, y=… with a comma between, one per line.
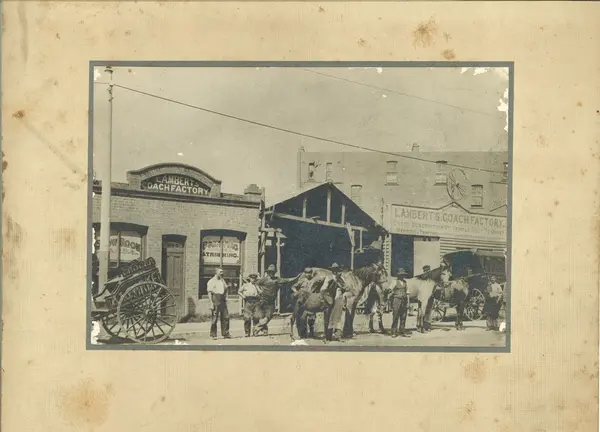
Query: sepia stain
x=556, y=202
x=66, y=238
x=550, y=214
x=583, y=171
x=468, y=411
x=19, y=114
x=531, y=374
x=475, y=371
x=321, y=9
x=361, y=42
x=539, y=297
x=86, y=404
x=24, y=32
x=62, y=116
x=541, y=141
x=13, y=238
x=372, y=403
x=447, y=36
x=163, y=398
x=424, y=33
x=449, y=54
x=128, y=33
x=4, y=163
x=57, y=36
x=579, y=104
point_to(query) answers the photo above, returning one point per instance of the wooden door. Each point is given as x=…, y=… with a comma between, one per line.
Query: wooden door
x=173, y=273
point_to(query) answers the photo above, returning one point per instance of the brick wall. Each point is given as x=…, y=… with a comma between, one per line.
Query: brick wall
x=416, y=180
x=164, y=217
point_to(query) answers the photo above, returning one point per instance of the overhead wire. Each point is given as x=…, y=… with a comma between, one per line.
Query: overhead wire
x=301, y=134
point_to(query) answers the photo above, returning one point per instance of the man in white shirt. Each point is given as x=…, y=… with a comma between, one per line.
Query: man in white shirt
x=493, y=303
x=217, y=297
x=249, y=294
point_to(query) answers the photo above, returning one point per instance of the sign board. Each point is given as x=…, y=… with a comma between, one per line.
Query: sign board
x=216, y=248
x=175, y=183
x=130, y=247
x=447, y=222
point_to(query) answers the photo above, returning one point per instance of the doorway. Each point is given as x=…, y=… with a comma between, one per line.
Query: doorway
x=173, y=269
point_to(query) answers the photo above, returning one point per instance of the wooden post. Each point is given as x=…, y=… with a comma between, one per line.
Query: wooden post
x=277, y=234
x=343, y=222
x=263, y=247
x=328, y=204
x=361, y=243
x=352, y=256
x=304, y=204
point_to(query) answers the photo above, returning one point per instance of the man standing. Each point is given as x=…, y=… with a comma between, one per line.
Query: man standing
x=426, y=268
x=268, y=285
x=339, y=304
x=400, y=302
x=493, y=303
x=249, y=294
x=305, y=285
x=217, y=297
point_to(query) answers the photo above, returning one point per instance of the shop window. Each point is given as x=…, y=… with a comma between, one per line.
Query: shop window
x=221, y=250
x=311, y=171
x=355, y=193
x=391, y=176
x=440, y=176
x=477, y=196
x=126, y=244
x=328, y=171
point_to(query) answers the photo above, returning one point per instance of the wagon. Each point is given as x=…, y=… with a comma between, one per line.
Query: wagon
x=136, y=304
x=482, y=264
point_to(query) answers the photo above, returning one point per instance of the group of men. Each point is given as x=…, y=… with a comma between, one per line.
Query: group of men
x=259, y=296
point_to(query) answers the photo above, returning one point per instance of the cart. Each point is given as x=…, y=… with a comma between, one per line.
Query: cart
x=136, y=304
x=482, y=264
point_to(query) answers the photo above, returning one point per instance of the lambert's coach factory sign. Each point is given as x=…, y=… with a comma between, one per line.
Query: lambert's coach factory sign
x=176, y=184
x=448, y=221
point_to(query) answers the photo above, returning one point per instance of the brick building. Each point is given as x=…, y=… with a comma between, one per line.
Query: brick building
x=429, y=208
x=178, y=215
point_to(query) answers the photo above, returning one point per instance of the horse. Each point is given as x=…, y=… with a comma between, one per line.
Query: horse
x=313, y=302
x=355, y=283
x=455, y=292
x=421, y=289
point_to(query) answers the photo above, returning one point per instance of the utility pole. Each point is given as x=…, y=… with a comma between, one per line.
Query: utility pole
x=103, y=250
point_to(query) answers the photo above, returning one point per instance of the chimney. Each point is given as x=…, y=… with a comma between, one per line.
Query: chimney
x=415, y=147
x=299, y=167
x=253, y=190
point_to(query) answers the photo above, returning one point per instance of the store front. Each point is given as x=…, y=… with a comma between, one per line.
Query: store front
x=178, y=215
x=421, y=236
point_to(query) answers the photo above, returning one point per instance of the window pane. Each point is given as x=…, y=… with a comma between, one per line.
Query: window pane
x=391, y=178
x=131, y=246
x=231, y=251
x=113, y=250
x=211, y=250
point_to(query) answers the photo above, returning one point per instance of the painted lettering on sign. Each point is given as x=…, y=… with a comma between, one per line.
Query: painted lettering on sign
x=447, y=222
x=175, y=184
x=214, y=249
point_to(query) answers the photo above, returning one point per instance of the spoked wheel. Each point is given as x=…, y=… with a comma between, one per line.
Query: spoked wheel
x=438, y=311
x=111, y=325
x=474, y=306
x=147, y=312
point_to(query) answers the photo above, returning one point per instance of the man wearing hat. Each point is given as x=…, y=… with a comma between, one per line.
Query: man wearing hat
x=339, y=304
x=493, y=303
x=426, y=268
x=268, y=285
x=400, y=300
x=305, y=285
x=249, y=294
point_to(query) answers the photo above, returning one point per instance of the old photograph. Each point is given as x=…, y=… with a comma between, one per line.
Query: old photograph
x=300, y=206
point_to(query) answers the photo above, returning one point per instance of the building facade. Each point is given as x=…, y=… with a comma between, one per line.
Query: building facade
x=450, y=201
x=178, y=215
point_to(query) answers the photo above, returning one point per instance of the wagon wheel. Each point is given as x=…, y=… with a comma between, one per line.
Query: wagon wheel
x=438, y=311
x=457, y=184
x=474, y=306
x=147, y=312
x=111, y=324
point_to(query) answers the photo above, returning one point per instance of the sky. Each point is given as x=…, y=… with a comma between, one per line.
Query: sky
x=389, y=109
